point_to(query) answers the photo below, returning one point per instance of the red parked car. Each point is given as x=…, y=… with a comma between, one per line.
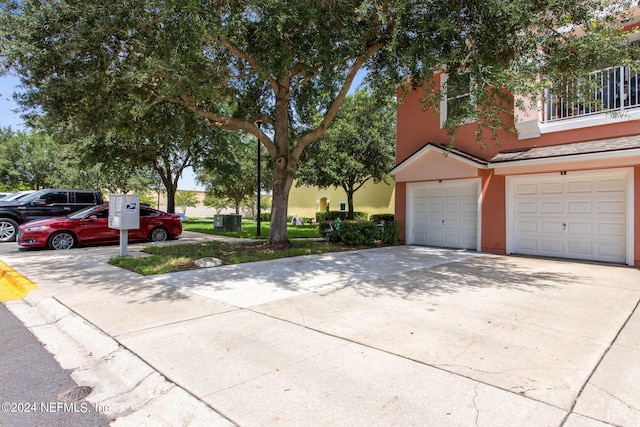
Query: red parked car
x=90, y=227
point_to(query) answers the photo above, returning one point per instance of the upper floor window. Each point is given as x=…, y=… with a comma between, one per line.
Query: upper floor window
x=456, y=101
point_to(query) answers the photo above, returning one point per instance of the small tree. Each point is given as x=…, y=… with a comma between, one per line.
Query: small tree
x=186, y=199
x=215, y=202
x=232, y=177
x=358, y=147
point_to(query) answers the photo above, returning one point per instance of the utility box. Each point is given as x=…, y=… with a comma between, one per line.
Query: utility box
x=231, y=222
x=124, y=211
x=218, y=225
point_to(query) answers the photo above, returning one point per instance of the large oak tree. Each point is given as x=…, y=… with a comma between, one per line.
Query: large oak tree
x=280, y=62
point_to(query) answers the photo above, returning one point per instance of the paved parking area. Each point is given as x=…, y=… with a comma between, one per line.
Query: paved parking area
x=404, y=335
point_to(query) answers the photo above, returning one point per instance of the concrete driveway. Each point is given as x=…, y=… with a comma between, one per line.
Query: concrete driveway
x=393, y=336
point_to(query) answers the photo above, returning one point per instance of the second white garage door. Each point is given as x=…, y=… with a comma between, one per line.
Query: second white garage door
x=581, y=215
x=443, y=213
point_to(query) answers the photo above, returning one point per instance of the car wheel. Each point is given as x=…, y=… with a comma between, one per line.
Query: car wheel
x=158, y=235
x=8, y=230
x=62, y=240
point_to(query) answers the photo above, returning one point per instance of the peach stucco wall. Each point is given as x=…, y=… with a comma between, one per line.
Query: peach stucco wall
x=493, y=231
x=417, y=126
x=636, y=215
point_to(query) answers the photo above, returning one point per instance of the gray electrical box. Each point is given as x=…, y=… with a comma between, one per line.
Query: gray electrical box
x=228, y=222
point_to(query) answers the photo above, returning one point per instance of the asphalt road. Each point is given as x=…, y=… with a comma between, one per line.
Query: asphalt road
x=8, y=247
x=32, y=382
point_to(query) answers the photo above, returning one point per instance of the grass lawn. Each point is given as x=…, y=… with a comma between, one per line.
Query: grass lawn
x=167, y=259
x=249, y=228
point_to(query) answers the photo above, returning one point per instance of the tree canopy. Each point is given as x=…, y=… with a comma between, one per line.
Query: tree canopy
x=235, y=63
x=232, y=177
x=358, y=146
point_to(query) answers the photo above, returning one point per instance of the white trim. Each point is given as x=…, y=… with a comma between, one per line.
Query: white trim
x=568, y=158
x=430, y=147
x=629, y=216
x=410, y=205
x=615, y=116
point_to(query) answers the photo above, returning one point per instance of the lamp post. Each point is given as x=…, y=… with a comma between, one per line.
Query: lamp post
x=258, y=204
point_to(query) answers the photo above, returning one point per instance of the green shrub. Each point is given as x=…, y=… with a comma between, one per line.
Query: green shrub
x=390, y=233
x=266, y=216
x=361, y=233
x=333, y=215
x=383, y=218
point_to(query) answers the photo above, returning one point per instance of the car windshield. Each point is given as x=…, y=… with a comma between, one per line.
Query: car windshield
x=33, y=196
x=16, y=196
x=83, y=212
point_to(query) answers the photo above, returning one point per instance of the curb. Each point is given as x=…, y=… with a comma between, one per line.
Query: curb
x=13, y=285
x=125, y=388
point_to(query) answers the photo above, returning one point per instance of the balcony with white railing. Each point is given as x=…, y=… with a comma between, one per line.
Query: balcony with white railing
x=613, y=90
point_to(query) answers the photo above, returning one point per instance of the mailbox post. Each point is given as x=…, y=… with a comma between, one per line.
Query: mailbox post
x=124, y=215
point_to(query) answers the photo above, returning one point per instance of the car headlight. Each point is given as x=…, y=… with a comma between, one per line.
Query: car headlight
x=37, y=228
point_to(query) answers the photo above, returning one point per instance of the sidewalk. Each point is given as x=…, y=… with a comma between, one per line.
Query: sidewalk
x=404, y=336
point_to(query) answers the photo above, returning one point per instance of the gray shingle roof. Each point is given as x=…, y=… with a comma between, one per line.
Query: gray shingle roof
x=589, y=147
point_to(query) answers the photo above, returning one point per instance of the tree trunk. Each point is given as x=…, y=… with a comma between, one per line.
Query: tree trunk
x=350, y=214
x=171, y=198
x=282, y=181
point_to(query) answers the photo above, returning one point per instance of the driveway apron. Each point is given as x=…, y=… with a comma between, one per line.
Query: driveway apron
x=404, y=335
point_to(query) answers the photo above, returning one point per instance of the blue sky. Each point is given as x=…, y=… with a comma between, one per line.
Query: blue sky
x=8, y=85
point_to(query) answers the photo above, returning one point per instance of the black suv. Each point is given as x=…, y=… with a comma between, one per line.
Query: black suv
x=43, y=204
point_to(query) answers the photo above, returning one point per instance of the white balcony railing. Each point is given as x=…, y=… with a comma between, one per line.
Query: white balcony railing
x=614, y=89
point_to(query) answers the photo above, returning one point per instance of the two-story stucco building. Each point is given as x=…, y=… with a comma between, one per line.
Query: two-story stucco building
x=566, y=185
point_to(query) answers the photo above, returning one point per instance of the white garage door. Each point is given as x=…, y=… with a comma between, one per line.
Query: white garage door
x=580, y=215
x=443, y=214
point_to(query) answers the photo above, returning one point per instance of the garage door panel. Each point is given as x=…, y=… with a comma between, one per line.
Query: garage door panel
x=453, y=208
x=610, y=229
x=453, y=192
x=551, y=226
x=612, y=185
x=582, y=216
x=526, y=226
x=580, y=249
x=580, y=228
x=579, y=187
x=434, y=193
x=551, y=207
x=550, y=188
x=551, y=246
x=611, y=251
x=451, y=218
x=611, y=207
x=581, y=207
x=526, y=207
x=523, y=189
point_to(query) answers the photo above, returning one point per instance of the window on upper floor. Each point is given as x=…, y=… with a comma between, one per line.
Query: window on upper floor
x=457, y=101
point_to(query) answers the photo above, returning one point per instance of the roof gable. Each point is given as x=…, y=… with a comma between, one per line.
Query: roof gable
x=435, y=161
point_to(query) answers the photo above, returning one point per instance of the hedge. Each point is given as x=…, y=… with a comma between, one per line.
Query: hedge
x=383, y=218
x=333, y=215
